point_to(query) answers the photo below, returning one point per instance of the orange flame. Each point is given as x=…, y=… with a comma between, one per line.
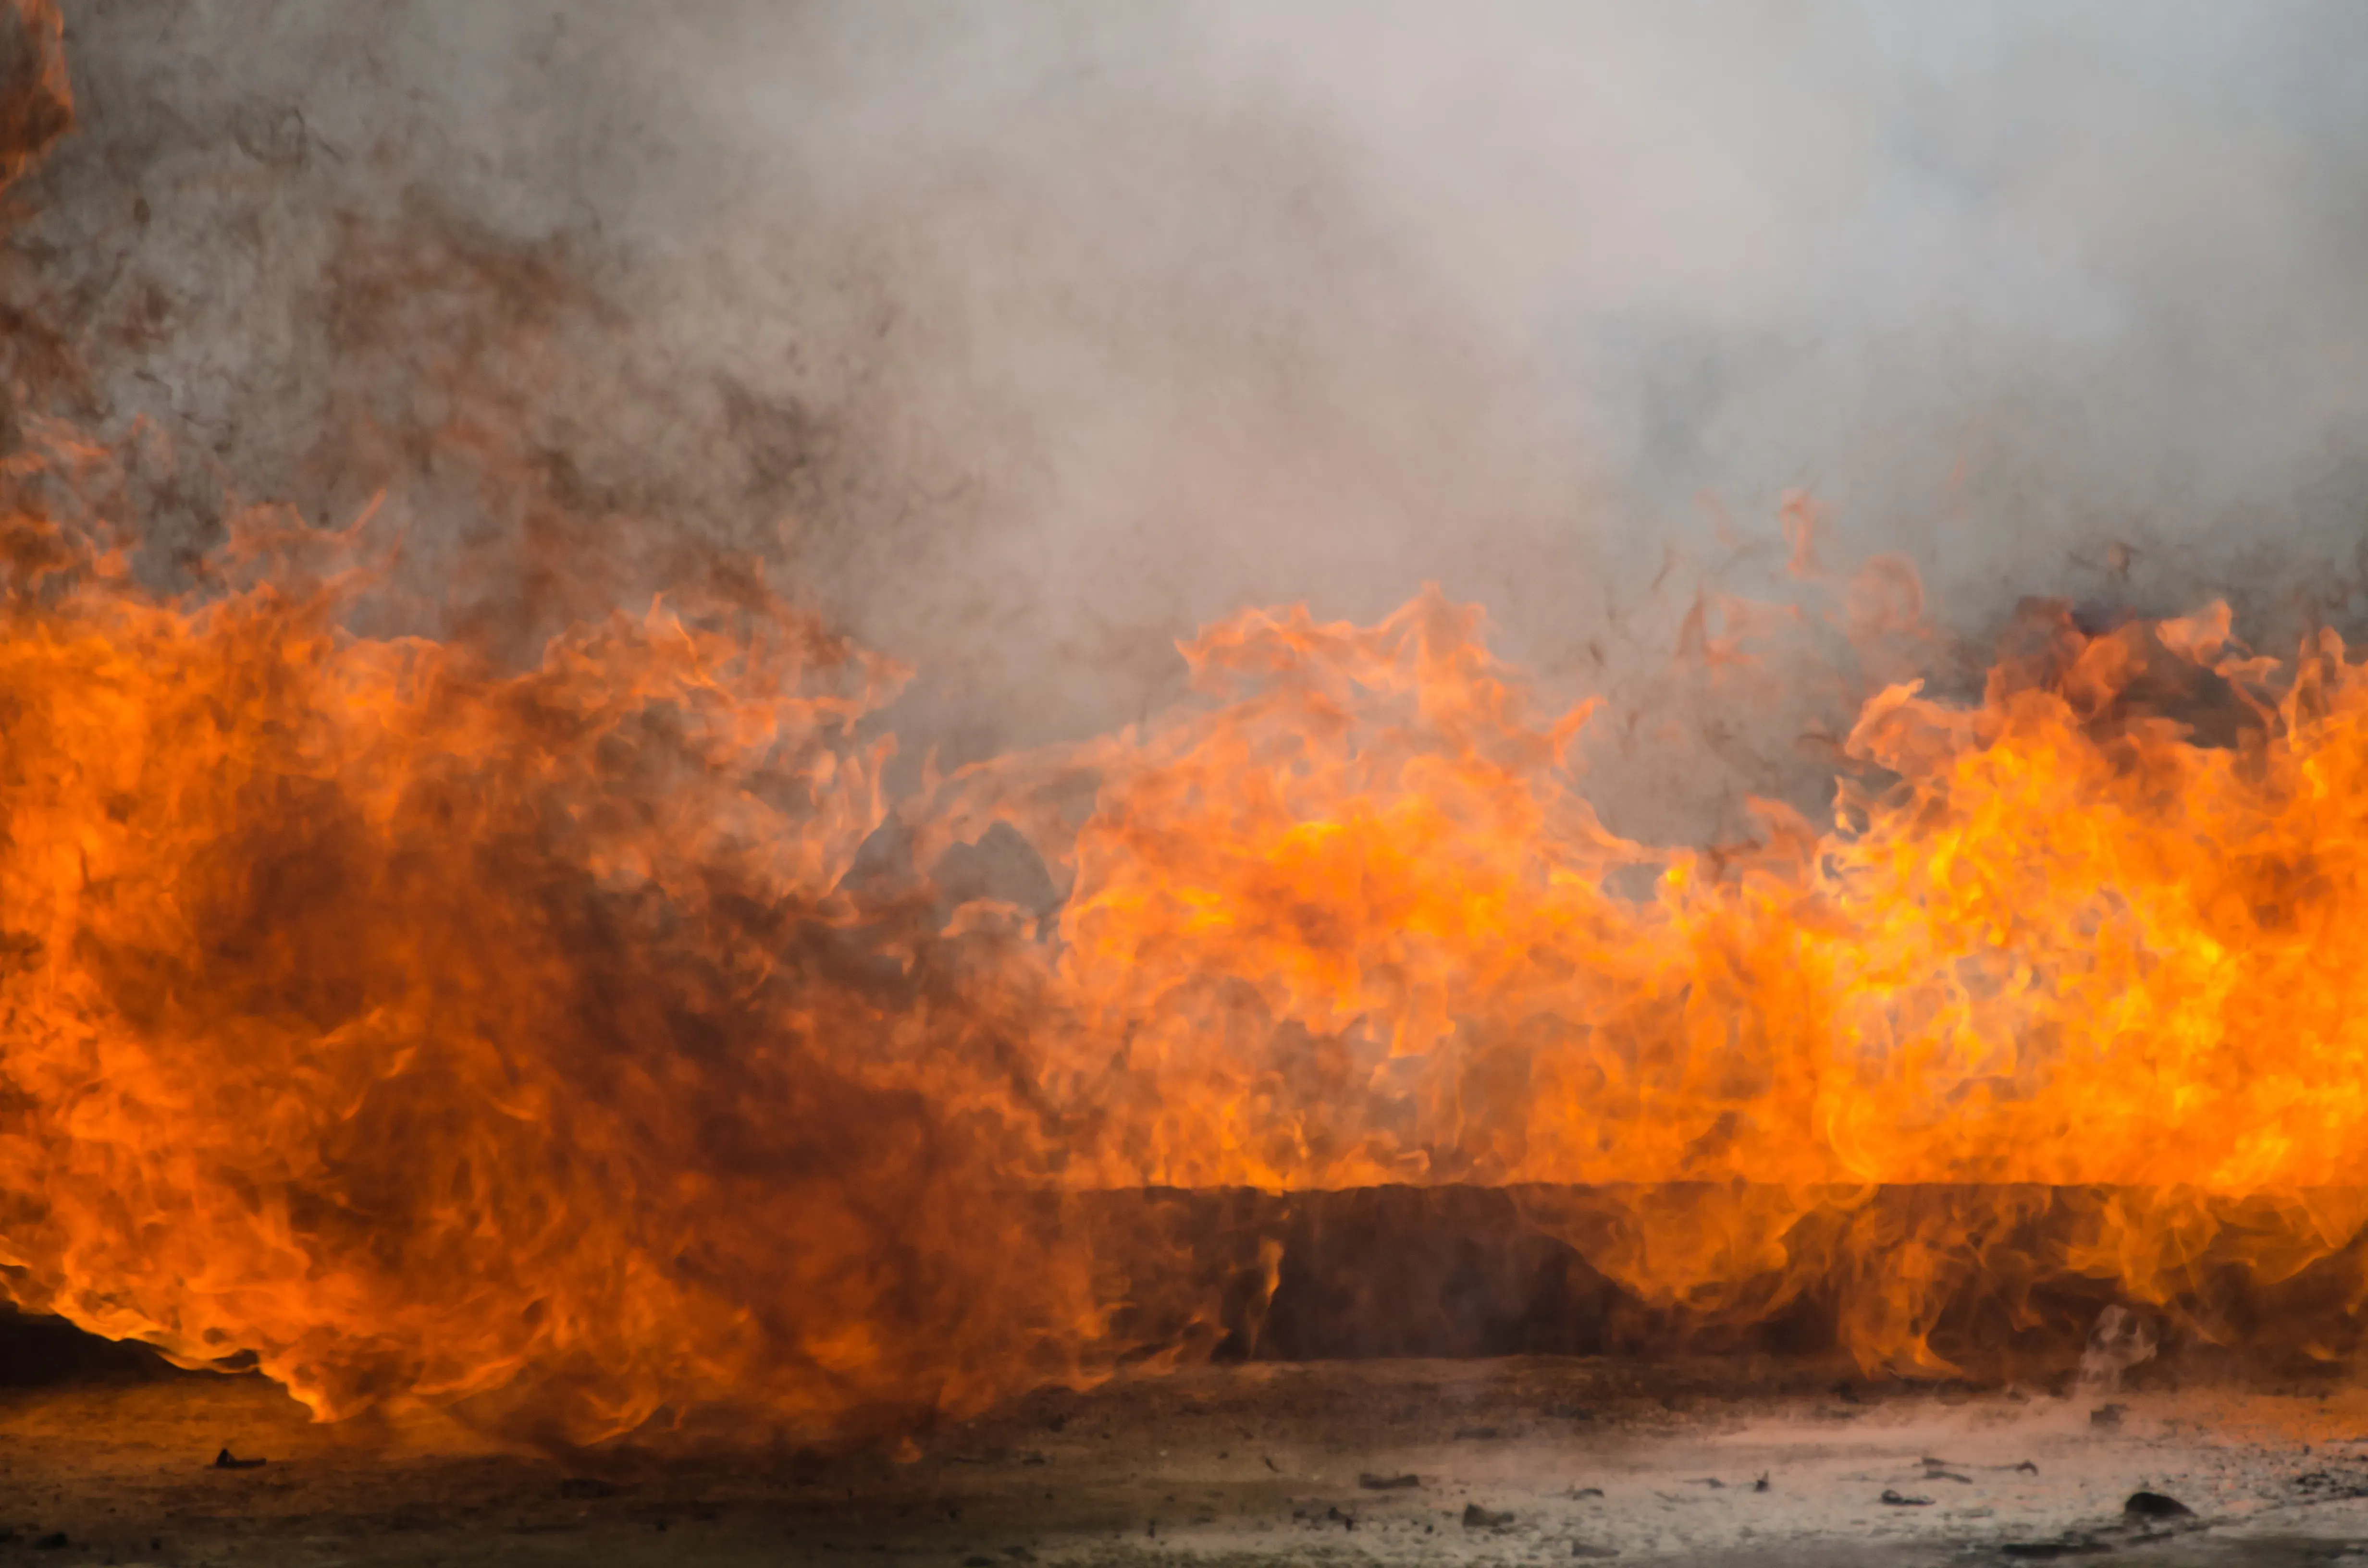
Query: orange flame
x=429, y=1033
x=520, y=1042
x=1353, y=924
x=422, y=1030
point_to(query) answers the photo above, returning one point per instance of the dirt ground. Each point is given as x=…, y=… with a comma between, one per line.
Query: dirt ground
x=1523, y=1461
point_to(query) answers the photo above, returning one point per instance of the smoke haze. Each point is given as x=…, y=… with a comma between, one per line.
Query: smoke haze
x=1022, y=340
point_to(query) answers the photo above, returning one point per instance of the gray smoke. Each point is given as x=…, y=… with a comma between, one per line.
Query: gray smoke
x=1025, y=338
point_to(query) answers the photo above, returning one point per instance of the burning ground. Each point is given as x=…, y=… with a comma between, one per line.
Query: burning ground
x=539, y=1044
x=577, y=1030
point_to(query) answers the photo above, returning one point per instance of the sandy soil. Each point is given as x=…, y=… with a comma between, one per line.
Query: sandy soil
x=1529, y=1460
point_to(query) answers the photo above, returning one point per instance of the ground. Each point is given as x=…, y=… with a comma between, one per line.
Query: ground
x=1518, y=1461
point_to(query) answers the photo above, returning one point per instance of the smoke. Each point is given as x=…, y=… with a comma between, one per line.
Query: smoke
x=1021, y=341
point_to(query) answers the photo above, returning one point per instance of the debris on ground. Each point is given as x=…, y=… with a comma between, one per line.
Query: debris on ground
x=1476, y=1518
x=1372, y=1483
x=2156, y=1505
x=1898, y=1500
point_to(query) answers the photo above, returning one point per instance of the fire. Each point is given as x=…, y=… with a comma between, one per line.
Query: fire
x=536, y=1042
x=422, y=1031
x=1353, y=924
